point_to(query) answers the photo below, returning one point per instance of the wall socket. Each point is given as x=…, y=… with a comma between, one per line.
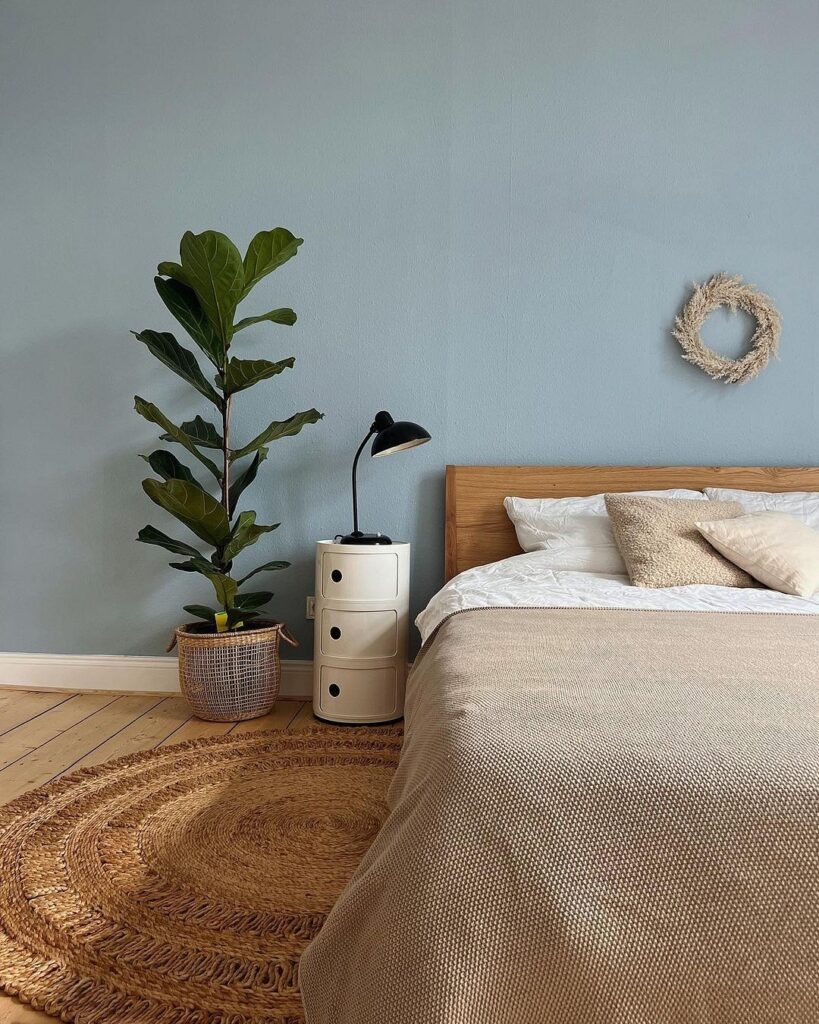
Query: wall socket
x=310, y=610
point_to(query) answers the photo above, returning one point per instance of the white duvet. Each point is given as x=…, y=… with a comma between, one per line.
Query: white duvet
x=523, y=582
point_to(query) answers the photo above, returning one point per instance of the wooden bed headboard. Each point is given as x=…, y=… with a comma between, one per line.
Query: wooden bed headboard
x=477, y=527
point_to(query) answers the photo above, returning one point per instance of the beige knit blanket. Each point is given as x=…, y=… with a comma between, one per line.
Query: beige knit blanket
x=599, y=817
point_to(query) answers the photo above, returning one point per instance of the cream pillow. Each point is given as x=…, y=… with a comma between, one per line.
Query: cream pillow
x=774, y=547
x=662, y=547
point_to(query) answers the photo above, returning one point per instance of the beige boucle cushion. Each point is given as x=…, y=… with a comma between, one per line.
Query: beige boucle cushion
x=774, y=547
x=662, y=547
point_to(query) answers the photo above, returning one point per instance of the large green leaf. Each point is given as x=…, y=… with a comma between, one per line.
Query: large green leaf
x=235, y=617
x=201, y=432
x=267, y=567
x=225, y=588
x=154, y=415
x=245, y=479
x=197, y=509
x=150, y=535
x=200, y=565
x=170, y=269
x=246, y=602
x=238, y=617
x=201, y=611
x=167, y=466
x=183, y=304
x=267, y=251
x=275, y=316
x=277, y=429
x=212, y=266
x=168, y=351
x=244, y=533
x=244, y=373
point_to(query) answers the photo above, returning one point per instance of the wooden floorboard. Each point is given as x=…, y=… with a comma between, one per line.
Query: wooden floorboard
x=280, y=717
x=154, y=725
x=48, y=726
x=43, y=735
x=63, y=751
x=305, y=719
x=196, y=729
x=17, y=708
x=12, y=1012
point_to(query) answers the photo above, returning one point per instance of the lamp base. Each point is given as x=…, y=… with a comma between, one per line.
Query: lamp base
x=357, y=537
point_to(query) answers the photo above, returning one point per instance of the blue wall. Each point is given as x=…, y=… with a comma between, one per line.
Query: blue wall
x=503, y=206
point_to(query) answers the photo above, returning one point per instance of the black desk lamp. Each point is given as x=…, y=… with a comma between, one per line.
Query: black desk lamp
x=389, y=437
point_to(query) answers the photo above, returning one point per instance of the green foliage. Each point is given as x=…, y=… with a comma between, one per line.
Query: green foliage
x=245, y=479
x=244, y=533
x=183, y=304
x=198, y=510
x=202, y=292
x=267, y=252
x=244, y=373
x=168, y=351
x=212, y=266
x=277, y=429
x=167, y=466
x=201, y=432
x=172, y=432
x=267, y=567
x=275, y=316
x=150, y=535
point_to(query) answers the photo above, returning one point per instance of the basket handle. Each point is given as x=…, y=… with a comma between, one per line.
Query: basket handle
x=287, y=636
x=172, y=643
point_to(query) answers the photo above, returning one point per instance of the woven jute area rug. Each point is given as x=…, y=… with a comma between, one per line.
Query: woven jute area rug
x=181, y=885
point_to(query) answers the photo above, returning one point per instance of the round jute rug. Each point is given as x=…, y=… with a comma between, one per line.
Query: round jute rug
x=181, y=885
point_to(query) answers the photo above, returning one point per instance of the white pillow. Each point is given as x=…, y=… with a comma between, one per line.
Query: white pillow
x=802, y=504
x=776, y=548
x=575, y=531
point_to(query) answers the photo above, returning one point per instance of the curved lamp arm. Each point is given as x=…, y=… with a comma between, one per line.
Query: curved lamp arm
x=380, y=422
x=355, y=472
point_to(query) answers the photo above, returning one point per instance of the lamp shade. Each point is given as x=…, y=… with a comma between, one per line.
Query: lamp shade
x=397, y=436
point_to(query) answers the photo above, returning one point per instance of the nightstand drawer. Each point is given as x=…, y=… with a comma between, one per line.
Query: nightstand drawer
x=358, y=693
x=359, y=634
x=357, y=577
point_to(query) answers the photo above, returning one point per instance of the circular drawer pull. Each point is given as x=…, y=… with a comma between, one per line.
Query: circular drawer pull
x=335, y=576
x=335, y=632
x=334, y=689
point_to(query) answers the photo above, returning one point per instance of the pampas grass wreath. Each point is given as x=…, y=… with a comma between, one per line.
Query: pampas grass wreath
x=722, y=290
x=181, y=885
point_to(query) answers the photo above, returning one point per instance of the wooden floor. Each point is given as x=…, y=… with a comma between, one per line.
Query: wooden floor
x=44, y=735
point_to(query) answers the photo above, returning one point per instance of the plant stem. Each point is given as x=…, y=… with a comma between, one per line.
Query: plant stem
x=226, y=454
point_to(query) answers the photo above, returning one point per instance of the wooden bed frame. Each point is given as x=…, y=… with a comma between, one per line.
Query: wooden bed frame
x=477, y=527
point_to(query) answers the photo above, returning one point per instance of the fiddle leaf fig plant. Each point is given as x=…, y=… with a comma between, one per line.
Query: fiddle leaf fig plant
x=202, y=292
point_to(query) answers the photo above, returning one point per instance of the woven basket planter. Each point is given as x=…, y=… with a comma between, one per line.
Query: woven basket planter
x=229, y=677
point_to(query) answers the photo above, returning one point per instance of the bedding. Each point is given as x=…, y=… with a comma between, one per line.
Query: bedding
x=583, y=543
x=802, y=504
x=777, y=549
x=531, y=509
x=524, y=581
x=661, y=546
x=575, y=531
x=602, y=815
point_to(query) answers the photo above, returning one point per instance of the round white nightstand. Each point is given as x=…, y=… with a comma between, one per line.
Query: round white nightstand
x=362, y=624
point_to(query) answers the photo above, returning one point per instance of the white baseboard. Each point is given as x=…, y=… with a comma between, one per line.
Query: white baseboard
x=121, y=674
